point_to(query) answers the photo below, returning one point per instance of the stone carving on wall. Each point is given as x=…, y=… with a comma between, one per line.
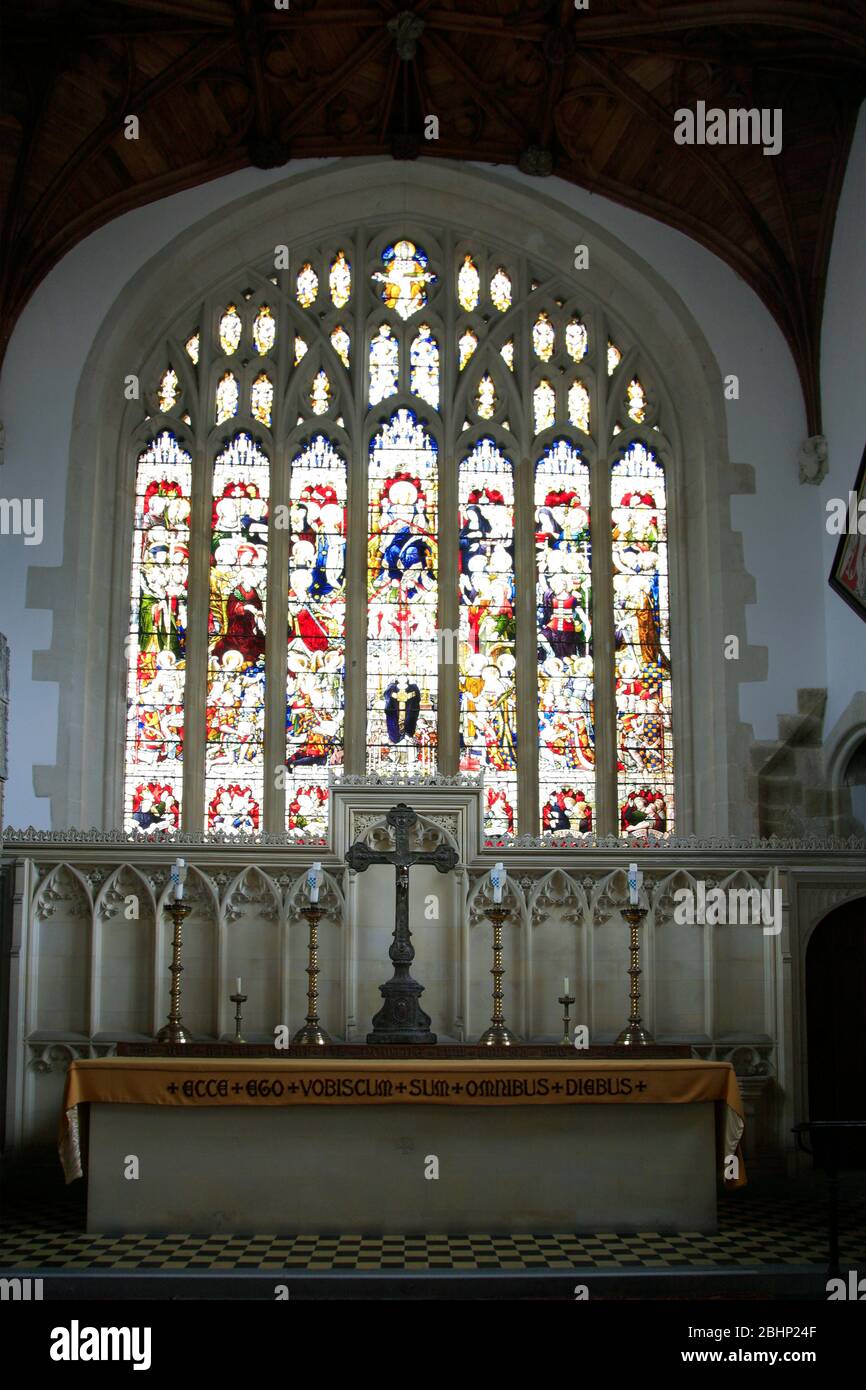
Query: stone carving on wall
x=813, y=459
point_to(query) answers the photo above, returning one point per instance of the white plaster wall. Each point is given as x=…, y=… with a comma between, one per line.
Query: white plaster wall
x=765, y=427
x=843, y=387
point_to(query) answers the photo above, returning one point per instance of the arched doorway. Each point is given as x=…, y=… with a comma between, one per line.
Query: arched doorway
x=836, y=1022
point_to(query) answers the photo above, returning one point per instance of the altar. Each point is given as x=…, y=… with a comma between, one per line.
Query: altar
x=399, y=1146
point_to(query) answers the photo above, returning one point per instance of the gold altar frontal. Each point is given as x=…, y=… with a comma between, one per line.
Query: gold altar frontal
x=295, y=1135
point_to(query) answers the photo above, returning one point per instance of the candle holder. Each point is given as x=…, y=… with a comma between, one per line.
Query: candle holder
x=566, y=1000
x=312, y=1034
x=634, y=1034
x=174, y=1031
x=237, y=1000
x=497, y=1035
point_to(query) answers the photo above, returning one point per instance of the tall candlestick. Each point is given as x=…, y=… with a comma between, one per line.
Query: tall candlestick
x=314, y=874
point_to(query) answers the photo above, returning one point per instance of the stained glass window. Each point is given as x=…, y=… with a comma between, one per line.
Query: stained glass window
x=264, y=331
x=226, y=398
x=486, y=399
x=320, y=394
x=544, y=406
x=506, y=352
x=384, y=365
x=468, y=285
x=192, y=346
x=156, y=647
x=301, y=348
x=424, y=366
x=262, y=398
x=614, y=357
x=466, y=345
x=500, y=290
x=230, y=330
x=487, y=633
x=402, y=597
x=576, y=340
x=543, y=337
x=645, y=781
x=566, y=716
x=636, y=401
x=307, y=287
x=341, y=343
x=169, y=390
x=235, y=701
x=578, y=406
x=340, y=280
x=315, y=693
x=403, y=281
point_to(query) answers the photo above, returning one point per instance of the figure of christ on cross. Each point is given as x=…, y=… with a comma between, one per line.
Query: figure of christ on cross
x=401, y=1018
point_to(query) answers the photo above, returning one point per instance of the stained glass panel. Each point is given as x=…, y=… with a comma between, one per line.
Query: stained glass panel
x=424, y=366
x=192, y=346
x=466, y=345
x=169, y=390
x=226, y=398
x=264, y=331
x=315, y=694
x=384, y=364
x=340, y=280
x=156, y=646
x=341, y=343
x=566, y=715
x=506, y=352
x=645, y=774
x=230, y=330
x=500, y=290
x=576, y=340
x=487, y=633
x=301, y=348
x=544, y=406
x=636, y=401
x=307, y=287
x=262, y=398
x=614, y=357
x=320, y=393
x=468, y=285
x=402, y=597
x=235, y=708
x=578, y=406
x=403, y=281
x=543, y=337
x=486, y=399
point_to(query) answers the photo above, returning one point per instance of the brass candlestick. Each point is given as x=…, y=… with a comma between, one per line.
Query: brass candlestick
x=174, y=1031
x=237, y=1000
x=312, y=1034
x=634, y=1034
x=566, y=1000
x=497, y=1035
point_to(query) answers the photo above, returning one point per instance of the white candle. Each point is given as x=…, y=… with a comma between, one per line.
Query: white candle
x=635, y=878
x=178, y=874
x=565, y=985
x=238, y=989
x=314, y=874
x=497, y=879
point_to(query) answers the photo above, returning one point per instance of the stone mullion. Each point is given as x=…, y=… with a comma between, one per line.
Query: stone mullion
x=606, y=821
x=448, y=697
x=355, y=685
x=198, y=608
x=526, y=673
x=276, y=630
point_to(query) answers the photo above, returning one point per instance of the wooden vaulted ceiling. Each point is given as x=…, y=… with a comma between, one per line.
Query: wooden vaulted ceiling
x=588, y=95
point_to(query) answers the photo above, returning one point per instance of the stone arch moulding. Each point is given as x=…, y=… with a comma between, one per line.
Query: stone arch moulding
x=88, y=592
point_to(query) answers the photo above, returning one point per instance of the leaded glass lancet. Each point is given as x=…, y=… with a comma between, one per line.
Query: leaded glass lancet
x=235, y=702
x=402, y=597
x=566, y=717
x=488, y=661
x=315, y=691
x=641, y=617
x=156, y=646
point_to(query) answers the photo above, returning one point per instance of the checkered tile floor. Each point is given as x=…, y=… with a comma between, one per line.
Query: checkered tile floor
x=784, y=1226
